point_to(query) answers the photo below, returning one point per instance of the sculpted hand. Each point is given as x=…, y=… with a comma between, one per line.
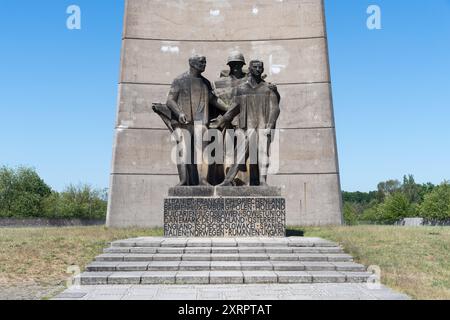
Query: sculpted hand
x=268, y=132
x=216, y=123
x=182, y=119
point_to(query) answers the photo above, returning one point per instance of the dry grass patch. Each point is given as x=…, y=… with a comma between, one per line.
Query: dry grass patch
x=41, y=256
x=415, y=261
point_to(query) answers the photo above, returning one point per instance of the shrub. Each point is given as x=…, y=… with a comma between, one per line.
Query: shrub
x=436, y=204
x=350, y=214
x=395, y=207
x=371, y=214
x=82, y=201
x=22, y=192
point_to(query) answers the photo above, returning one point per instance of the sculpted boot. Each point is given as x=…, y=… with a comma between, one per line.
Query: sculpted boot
x=263, y=181
x=226, y=183
x=182, y=173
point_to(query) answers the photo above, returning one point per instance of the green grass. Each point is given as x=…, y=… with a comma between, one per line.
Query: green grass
x=415, y=261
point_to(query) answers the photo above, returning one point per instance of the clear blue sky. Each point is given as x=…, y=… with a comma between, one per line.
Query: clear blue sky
x=58, y=89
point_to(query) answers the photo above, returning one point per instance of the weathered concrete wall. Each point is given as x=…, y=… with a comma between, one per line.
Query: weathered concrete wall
x=159, y=37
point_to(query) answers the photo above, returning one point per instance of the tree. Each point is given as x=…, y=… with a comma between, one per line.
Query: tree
x=350, y=214
x=82, y=201
x=425, y=188
x=359, y=197
x=411, y=189
x=370, y=214
x=7, y=182
x=22, y=192
x=387, y=188
x=436, y=204
x=395, y=207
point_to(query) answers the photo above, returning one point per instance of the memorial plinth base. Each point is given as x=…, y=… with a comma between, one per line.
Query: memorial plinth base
x=224, y=212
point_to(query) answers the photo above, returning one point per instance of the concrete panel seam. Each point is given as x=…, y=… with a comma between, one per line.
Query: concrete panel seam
x=173, y=174
x=169, y=84
x=281, y=128
x=223, y=40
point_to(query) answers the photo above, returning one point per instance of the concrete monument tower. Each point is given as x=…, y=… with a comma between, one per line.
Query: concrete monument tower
x=288, y=35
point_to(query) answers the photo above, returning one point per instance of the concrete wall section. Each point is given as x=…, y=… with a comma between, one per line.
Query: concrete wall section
x=224, y=19
x=148, y=151
x=311, y=199
x=159, y=37
x=302, y=106
x=286, y=61
x=137, y=200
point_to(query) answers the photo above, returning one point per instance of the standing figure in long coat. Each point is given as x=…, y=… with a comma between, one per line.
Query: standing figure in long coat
x=257, y=107
x=189, y=100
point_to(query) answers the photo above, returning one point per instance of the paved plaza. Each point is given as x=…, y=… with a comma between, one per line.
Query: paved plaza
x=319, y=291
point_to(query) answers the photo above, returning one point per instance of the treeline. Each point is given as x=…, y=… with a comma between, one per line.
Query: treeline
x=23, y=194
x=395, y=200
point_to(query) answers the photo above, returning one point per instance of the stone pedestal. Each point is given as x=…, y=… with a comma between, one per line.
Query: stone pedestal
x=224, y=212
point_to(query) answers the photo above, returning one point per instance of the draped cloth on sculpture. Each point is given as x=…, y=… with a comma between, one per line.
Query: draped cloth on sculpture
x=258, y=106
x=226, y=88
x=257, y=109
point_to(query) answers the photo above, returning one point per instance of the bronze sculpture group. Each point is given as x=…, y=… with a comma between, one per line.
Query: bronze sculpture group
x=239, y=101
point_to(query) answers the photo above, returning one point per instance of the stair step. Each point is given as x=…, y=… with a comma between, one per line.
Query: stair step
x=222, y=242
x=224, y=257
x=267, y=265
x=223, y=250
x=220, y=277
x=155, y=260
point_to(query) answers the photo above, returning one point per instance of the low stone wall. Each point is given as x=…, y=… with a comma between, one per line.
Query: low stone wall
x=436, y=222
x=415, y=222
x=38, y=222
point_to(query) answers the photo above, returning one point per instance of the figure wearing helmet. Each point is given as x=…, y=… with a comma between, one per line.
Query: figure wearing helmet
x=230, y=79
x=257, y=107
x=236, y=62
x=225, y=88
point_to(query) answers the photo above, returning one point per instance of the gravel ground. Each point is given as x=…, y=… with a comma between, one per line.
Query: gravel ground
x=29, y=292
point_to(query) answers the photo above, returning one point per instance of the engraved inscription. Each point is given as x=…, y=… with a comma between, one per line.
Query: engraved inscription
x=224, y=217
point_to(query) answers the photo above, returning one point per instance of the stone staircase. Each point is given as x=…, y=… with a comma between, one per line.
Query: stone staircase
x=151, y=260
